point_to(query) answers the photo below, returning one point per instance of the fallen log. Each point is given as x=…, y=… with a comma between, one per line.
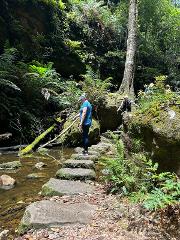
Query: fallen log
x=31, y=146
x=58, y=136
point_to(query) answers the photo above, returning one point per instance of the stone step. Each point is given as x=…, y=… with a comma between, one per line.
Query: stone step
x=71, y=163
x=56, y=187
x=47, y=214
x=101, y=147
x=76, y=174
x=90, y=152
x=85, y=157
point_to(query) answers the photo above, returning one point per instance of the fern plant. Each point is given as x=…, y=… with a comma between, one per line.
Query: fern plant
x=8, y=81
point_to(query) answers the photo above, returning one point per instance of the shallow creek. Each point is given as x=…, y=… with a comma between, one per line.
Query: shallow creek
x=14, y=201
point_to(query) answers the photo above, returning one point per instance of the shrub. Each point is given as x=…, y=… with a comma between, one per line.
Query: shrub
x=137, y=177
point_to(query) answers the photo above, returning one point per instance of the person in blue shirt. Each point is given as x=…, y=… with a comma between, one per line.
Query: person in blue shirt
x=85, y=121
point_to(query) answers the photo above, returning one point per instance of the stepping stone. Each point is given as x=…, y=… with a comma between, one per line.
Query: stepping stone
x=84, y=157
x=101, y=147
x=56, y=187
x=71, y=163
x=76, y=174
x=105, y=140
x=47, y=214
x=90, y=152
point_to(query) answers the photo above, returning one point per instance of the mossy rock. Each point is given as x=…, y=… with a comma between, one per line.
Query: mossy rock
x=109, y=118
x=161, y=137
x=73, y=137
x=10, y=165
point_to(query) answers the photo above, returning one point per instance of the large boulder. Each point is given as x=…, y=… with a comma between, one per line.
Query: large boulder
x=73, y=137
x=108, y=116
x=161, y=136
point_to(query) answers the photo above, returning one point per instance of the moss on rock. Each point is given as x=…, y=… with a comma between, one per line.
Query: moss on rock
x=109, y=118
x=161, y=135
x=73, y=137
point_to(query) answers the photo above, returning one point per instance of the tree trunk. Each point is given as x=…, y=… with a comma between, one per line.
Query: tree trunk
x=127, y=86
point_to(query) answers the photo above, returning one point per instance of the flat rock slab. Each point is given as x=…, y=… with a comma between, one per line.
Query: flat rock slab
x=56, y=187
x=46, y=214
x=71, y=163
x=85, y=157
x=76, y=174
x=90, y=152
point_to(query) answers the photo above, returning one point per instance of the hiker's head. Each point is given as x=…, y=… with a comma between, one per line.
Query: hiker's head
x=83, y=97
x=126, y=97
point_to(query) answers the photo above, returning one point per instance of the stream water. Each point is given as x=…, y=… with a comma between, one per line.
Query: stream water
x=14, y=201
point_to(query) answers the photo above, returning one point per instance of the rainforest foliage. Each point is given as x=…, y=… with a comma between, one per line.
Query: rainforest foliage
x=51, y=50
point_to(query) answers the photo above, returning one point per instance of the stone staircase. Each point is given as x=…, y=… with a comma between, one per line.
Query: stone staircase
x=72, y=179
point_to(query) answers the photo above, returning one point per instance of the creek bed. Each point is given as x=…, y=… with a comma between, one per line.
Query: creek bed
x=14, y=201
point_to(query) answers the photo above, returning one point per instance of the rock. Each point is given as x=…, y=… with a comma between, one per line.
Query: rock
x=85, y=157
x=35, y=175
x=102, y=147
x=7, y=182
x=160, y=136
x=74, y=137
x=10, y=165
x=4, y=235
x=40, y=165
x=108, y=116
x=76, y=174
x=71, y=163
x=47, y=214
x=79, y=150
x=56, y=187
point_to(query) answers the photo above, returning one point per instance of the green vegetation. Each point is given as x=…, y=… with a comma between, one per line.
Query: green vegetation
x=50, y=45
x=136, y=176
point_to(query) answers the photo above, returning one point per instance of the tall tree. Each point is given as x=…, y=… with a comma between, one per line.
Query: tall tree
x=127, y=86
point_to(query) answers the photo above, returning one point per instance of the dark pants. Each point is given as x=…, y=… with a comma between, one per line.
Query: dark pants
x=85, y=129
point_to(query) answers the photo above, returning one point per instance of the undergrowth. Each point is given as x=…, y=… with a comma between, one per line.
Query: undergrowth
x=137, y=177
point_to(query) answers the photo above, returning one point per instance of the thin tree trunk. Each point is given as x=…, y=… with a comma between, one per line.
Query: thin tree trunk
x=127, y=85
